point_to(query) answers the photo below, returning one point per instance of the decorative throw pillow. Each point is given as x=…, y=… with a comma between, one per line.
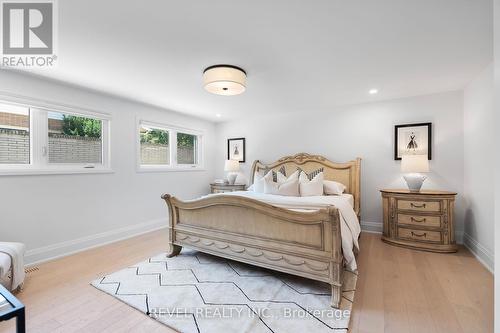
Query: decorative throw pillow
x=258, y=182
x=333, y=187
x=310, y=187
x=279, y=175
x=289, y=187
x=311, y=174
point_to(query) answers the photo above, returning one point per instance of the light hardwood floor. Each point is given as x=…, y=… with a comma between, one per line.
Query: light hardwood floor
x=399, y=290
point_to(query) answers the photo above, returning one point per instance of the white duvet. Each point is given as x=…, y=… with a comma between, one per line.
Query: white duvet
x=349, y=227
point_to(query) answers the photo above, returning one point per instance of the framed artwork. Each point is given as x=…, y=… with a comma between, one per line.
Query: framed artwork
x=236, y=149
x=413, y=139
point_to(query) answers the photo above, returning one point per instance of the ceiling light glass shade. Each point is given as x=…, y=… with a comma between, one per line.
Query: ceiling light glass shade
x=224, y=80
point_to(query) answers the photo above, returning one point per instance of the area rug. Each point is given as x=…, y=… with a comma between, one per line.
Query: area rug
x=197, y=292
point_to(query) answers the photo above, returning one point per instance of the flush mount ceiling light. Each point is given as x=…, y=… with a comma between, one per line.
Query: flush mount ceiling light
x=373, y=91
x=224, y=80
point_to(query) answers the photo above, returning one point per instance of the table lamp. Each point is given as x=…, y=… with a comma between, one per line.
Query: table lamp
x=413, y=166
x=232, y=167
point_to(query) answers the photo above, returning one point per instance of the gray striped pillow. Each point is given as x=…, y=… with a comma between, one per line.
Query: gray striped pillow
x=311, y=174
x=275, y=174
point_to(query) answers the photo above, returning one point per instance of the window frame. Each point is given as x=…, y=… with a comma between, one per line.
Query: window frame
x=39, y=154
x=172, y=140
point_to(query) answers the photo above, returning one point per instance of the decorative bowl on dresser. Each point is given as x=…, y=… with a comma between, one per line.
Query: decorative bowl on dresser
x=419, y=220
x=221, y=188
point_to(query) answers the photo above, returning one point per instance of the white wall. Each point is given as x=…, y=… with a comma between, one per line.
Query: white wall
x=365, y=131
x=57, y=214
x=479, y=146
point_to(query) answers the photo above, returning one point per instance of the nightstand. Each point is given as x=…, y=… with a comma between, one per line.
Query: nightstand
x=419, y=220
x=221, y=188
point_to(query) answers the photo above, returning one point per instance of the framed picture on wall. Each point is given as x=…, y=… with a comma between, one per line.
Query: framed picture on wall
x=236, y=149
x=413, y=139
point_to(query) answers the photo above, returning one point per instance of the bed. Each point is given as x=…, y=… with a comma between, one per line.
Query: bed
x=298, y=238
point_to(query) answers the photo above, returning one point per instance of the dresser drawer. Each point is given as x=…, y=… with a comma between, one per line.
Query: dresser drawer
x=419, y=235
x=424, y=221
x=420, y=206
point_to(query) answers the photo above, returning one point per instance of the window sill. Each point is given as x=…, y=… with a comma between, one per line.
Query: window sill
x=179, y=169
x=35, y=172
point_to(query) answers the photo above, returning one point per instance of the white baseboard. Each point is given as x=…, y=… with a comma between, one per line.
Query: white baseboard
x=372, y=227
x=482, y=254
x=66, y=248
x=459, y=236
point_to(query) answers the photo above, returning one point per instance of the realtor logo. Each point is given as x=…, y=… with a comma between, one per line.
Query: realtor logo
x=28, y=29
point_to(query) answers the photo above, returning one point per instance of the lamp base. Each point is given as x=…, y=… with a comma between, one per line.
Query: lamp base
x=232, y=178
x=414, y=181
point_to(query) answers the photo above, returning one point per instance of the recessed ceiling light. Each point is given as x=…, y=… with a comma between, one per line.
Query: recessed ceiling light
x=224, y=80
x=218, y=115
x=373, y=91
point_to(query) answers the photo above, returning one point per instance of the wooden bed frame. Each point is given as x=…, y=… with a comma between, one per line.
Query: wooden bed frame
x=306, y=244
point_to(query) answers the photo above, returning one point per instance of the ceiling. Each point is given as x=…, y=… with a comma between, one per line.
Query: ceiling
x=299, y=55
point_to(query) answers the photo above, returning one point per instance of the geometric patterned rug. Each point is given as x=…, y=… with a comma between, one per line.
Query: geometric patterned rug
x=197, y=292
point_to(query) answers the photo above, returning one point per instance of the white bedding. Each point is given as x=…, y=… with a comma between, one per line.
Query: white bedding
x=349, y=227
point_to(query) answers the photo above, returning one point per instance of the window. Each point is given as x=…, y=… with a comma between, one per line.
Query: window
x=74, y=139
x=187, y=148
x=154, y=146
x=46, y=139
x=164, y=147
x=14, y=134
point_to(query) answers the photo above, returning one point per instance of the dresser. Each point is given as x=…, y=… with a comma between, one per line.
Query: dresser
x=419, y=220
x=221, y=188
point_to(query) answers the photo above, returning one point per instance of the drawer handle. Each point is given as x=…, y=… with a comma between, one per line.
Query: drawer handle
x=417, y=206
x=419, y=235
x=419, y=221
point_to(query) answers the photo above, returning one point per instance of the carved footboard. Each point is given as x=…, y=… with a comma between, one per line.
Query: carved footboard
x=306, y=244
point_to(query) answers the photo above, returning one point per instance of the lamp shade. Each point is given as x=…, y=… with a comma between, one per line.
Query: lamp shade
x=224, y=80
x=414, y=163
x=232, y=166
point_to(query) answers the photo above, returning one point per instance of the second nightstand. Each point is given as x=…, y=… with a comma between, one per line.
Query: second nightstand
x=419, y=220
x=221, y=188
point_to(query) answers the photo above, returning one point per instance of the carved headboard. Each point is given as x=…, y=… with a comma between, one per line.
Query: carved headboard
x=348, y=173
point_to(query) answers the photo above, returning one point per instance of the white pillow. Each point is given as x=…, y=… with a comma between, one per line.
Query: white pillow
x=258, y=183
x=311, y=187
x=281, y=178
x=333, y=187
x=280, y=174
x=288, y=186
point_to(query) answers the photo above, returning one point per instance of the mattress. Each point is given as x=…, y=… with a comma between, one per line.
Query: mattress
x=349, y=198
